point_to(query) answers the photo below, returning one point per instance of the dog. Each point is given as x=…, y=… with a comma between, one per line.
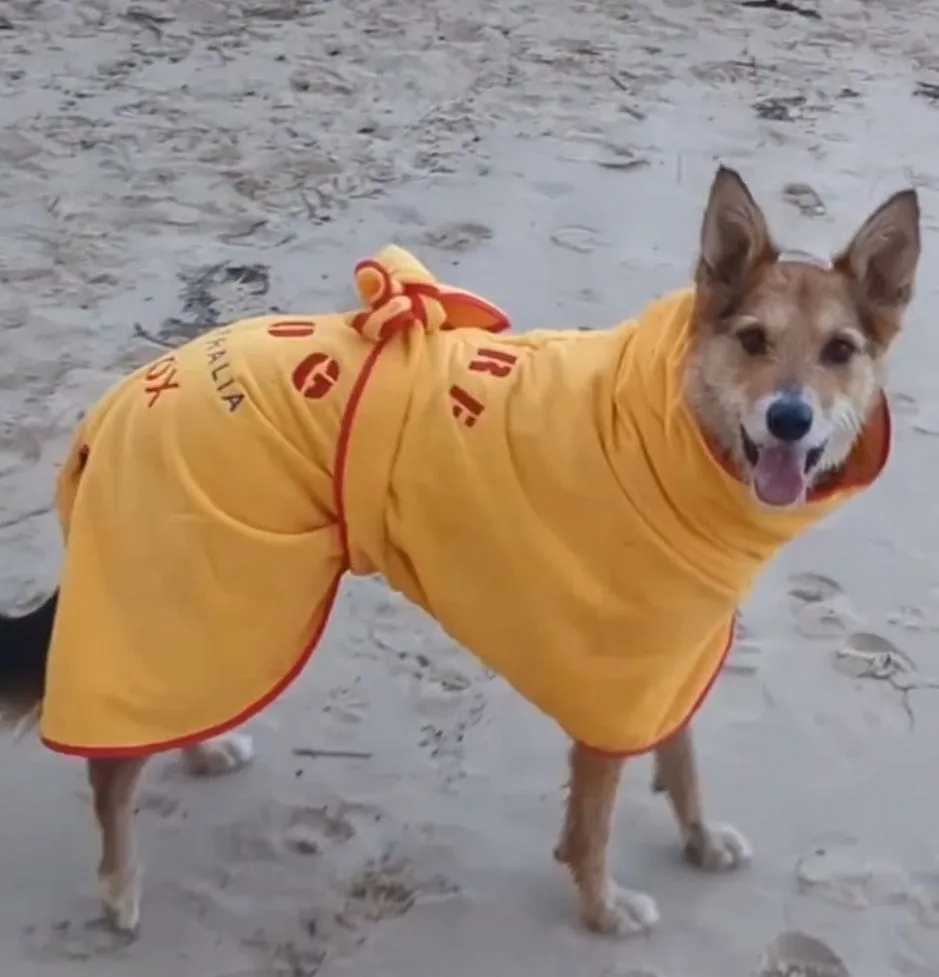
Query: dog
x=639, y=476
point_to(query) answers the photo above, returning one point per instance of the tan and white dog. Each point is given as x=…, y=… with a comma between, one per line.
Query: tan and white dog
x=782, y=380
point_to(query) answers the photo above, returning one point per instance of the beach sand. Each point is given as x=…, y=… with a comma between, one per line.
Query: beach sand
x=166, y=166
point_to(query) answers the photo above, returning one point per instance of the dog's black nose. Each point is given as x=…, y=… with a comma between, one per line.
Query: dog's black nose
x=789, y=418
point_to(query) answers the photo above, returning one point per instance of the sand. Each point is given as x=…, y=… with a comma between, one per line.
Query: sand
x=165, y=166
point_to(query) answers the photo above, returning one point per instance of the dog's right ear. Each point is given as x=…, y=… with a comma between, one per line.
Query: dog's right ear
x=735, y=238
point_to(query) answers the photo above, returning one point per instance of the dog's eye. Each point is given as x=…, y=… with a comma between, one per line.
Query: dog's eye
x=838, y=351
x=754, y=340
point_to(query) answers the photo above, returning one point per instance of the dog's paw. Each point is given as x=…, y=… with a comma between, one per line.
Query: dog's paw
x=717, y=848
x=621, y=913
x=224, y=754
x=120, y=893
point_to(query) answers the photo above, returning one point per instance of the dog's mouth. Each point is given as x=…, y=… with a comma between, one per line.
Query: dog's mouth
x=779, y=472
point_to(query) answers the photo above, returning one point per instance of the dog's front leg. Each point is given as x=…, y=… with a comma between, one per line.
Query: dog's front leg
x=715, y=847
x=585, y=844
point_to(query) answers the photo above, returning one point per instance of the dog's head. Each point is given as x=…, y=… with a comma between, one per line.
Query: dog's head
x=786, y=363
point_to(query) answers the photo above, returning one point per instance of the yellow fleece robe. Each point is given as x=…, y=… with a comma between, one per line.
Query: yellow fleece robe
x=547, y=497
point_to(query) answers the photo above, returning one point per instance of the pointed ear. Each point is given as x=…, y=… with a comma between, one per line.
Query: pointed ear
x=881, y=260
x=735, y=238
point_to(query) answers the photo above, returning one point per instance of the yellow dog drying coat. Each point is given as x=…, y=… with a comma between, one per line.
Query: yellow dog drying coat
x=546, y=497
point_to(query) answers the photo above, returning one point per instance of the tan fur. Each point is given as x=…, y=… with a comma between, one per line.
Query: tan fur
x=740, y=284
x=113, y=783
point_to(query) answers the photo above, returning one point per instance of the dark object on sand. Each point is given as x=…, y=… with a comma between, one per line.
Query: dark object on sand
x=210, y=296
x=784, y=6
x=927, y=90
x=783, y=109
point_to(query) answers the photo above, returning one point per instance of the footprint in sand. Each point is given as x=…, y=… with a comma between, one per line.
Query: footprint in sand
x=743, y=658
x=845, y=876
x=347, y=703
x=552, y=190
x=389, y=887
x=820, y=606
x=459, y=236
x=211, y=295
x=161, y=803
x=444, y=735
x=608, y=155
x=437, y=679
x=869, y=655
x=75, y=940
x=277, y=830
x=812, y=588
x=577, y=238
x=745, y=651
x=805, y=199
x=741, y=628
x=157, y=802
x=910, y=618
x=796, y=954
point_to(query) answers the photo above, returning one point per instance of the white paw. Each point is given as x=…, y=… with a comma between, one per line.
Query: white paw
x=622, y=913
x=221, y=755
x=120, y=894
x=717, y=848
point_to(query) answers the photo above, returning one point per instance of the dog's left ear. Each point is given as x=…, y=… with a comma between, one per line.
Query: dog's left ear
x=881, y=260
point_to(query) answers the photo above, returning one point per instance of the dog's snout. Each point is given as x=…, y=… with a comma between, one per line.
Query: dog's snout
x=789, y=418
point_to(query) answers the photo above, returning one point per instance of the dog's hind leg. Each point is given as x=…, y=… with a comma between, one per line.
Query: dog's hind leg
x=113, y=784
x=220, y=755
x=715, y=847
x=584, y=847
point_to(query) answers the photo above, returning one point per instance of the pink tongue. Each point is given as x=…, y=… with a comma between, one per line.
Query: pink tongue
x=778, y=477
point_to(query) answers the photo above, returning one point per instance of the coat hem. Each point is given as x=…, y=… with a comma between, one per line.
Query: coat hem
x=681, y=726
x=190, y=739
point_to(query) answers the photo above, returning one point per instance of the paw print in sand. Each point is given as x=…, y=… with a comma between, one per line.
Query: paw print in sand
x=820, y=606
x=796, y=954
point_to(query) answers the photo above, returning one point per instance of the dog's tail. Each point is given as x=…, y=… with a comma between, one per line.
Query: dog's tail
x=24, y=647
